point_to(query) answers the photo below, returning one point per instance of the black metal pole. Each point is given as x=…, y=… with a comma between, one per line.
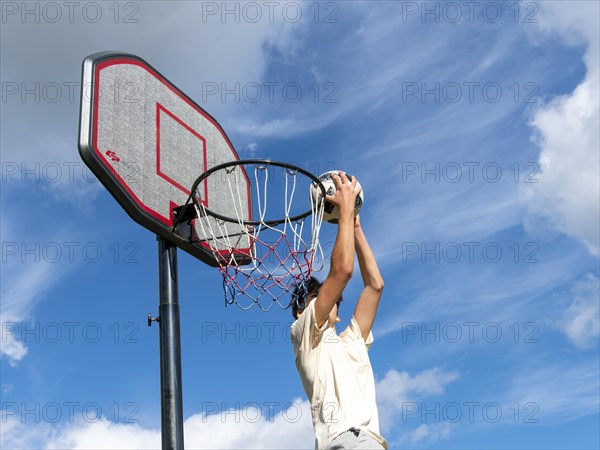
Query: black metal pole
x=170, y=348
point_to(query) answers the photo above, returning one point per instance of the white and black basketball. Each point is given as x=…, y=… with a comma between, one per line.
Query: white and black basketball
x=331, y=213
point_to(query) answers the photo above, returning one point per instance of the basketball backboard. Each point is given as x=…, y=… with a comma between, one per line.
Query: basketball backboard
x=147, y=142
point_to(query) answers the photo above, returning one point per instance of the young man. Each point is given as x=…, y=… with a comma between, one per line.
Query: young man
x=335, y=370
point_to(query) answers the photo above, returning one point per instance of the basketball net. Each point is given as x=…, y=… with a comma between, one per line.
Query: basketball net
x=281, y=253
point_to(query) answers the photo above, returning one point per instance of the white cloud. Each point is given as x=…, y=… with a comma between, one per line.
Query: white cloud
x=582, y=318
x=12, y=348
x=19, y=434
x=291, y=428
x=249, y=427
x=427, y=432
x=567, y=197
x=398, y=388
x=245, y=428
x=574, y=21
x=106, y=435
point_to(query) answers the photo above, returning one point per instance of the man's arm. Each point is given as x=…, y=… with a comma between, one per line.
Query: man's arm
x=366, y=307
x=342, y=256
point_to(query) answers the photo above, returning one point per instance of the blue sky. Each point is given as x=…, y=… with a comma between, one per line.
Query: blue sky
x=474, y=131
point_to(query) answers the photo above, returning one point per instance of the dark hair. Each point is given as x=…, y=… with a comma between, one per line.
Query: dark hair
x=301, y=291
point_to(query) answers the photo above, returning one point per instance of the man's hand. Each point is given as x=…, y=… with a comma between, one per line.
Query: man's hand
x=345, y=194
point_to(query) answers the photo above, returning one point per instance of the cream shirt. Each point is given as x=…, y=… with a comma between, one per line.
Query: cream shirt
x=337, y=376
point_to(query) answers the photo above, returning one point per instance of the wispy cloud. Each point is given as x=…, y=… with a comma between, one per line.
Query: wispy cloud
x=563, y=392
x=22, y=289
x=581, y=321
x=26, y=279
x=484, y=292
x=336, y=87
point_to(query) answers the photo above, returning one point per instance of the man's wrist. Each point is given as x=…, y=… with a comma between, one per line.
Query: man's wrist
x=346, y=215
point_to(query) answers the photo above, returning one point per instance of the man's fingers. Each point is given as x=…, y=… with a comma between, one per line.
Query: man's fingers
x=353, y=184
x=343, y=177
x=344, y=182
x=337, y=180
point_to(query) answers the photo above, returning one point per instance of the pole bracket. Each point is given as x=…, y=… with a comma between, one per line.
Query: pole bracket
x=153, y=319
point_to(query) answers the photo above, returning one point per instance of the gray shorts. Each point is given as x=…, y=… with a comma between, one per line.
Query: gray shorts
x=354, y=438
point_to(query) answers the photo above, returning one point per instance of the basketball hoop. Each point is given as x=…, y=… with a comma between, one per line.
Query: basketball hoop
x=261, y=259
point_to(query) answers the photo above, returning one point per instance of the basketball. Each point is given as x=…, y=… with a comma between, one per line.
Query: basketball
x=331, y=212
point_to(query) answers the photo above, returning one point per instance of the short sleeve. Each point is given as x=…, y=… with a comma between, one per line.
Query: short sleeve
x=305, y=332
x=352, y=332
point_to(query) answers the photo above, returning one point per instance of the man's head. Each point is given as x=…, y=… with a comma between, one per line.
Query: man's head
x=306, y=291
